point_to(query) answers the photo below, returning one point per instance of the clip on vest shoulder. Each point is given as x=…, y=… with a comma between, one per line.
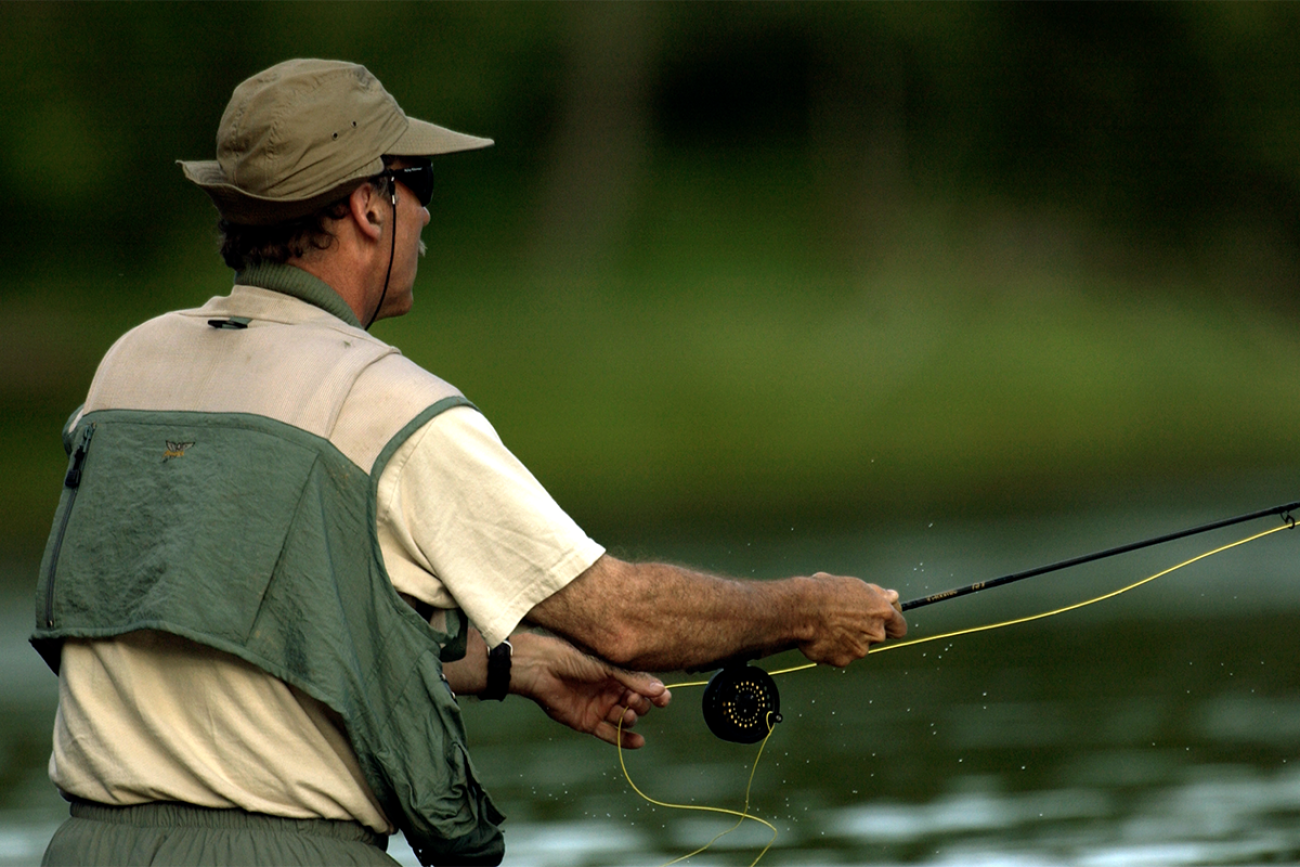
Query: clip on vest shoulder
x=232, y=322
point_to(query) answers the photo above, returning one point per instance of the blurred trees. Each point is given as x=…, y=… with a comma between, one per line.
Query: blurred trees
x=1165, y=121
x=793, y=144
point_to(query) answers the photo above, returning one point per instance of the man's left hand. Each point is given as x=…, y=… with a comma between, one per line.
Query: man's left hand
x=581, y=691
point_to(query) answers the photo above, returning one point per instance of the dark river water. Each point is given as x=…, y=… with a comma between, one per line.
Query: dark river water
x=1161, y=727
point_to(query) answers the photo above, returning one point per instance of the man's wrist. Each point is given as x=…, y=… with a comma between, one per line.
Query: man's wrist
x=498, y=672
x=796, y=603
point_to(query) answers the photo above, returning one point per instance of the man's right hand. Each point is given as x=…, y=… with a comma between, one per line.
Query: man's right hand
x=854, y=616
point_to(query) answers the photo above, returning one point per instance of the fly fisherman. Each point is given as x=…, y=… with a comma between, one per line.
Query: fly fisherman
x=283, y=549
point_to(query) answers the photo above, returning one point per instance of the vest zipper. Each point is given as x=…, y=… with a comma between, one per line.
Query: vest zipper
x=72, y=481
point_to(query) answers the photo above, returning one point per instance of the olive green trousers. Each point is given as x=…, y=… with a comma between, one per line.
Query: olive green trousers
x=186, y=836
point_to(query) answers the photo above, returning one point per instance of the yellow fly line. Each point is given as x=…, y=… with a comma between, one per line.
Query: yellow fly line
x=741, y=815
x=744, y=813
x=880, y=648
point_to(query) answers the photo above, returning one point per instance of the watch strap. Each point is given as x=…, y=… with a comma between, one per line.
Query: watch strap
x=498, y=672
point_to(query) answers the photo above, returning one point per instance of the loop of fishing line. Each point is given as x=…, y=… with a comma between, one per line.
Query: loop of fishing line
x=741, y=815
x=770, y=718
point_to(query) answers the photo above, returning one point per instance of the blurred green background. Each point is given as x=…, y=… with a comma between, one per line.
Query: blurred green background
x=733, y=269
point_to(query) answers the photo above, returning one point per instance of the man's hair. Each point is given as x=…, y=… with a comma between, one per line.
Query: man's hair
x=244, y=246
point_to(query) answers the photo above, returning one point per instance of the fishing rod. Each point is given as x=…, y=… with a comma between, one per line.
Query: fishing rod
x=1284, y=511
x=741, y=701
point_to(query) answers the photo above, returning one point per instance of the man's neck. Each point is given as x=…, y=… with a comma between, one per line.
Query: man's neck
x=348, y=282
x=299, y=283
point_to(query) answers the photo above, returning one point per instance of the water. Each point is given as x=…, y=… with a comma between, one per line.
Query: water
x=1159, y=728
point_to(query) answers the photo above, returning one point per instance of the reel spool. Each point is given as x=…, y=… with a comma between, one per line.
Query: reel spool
x=741, y=704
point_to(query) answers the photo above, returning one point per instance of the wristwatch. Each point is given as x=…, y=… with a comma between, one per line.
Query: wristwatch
x=498, y=672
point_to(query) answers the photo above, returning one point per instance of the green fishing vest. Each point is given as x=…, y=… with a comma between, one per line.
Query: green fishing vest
x=257, y=538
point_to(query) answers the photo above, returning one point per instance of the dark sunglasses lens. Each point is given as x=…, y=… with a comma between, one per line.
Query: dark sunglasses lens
x=420, y=180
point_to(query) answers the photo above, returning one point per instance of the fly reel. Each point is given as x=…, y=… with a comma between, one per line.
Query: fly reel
x=741, y=704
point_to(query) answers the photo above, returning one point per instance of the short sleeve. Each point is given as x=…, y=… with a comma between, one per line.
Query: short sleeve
x=463, y=523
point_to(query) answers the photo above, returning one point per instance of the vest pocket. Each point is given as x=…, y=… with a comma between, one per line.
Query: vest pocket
x=177, y=527
x=441, y=808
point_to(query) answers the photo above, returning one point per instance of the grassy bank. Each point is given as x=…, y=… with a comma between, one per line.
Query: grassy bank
x=730, y=406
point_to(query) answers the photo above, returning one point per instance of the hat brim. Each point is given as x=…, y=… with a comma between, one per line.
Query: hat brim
x=240, y=206
x=424, y=139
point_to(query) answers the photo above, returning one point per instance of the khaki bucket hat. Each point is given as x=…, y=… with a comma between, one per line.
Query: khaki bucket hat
x=297, y=136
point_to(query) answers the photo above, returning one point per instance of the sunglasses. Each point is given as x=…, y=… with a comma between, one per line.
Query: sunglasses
x=418, y=179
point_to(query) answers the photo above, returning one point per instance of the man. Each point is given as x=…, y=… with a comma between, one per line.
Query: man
x=260, y=498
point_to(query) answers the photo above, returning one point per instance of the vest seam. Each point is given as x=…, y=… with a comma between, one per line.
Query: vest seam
x=372, y=502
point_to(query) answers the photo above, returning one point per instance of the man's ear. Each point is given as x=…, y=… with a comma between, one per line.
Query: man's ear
x=366, y=207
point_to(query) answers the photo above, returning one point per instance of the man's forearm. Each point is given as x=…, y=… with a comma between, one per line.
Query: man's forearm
x=658, y=617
